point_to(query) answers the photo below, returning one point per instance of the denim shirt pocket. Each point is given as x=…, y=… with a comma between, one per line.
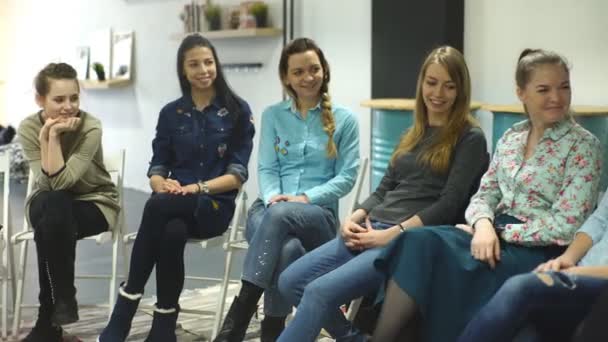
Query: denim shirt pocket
x=183, y=139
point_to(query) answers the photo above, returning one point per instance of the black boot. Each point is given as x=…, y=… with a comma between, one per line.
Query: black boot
x=272, y=327
x=236, y=321
x=44, y=331
x=163, y=325
x=119, y=326
x=65, y=312
x=58, y=267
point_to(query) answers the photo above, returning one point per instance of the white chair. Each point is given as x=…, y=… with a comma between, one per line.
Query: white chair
x=7, y=255
x=235, y=225
x=356, y=303
x=115, y=164
x=237, y=241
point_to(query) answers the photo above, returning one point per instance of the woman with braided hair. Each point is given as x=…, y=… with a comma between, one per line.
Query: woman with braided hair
x=308, y=160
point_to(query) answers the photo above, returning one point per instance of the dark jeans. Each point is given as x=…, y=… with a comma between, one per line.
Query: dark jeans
x=279, y=235
x=167, y=223
x=58, y=221
x=548, y=305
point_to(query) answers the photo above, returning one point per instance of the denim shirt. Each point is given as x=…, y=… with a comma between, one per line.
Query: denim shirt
x=192, y=146
x=552, y=192
x=597, y=229
x=293, y=158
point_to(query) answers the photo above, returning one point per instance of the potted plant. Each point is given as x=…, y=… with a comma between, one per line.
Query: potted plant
x=213, y=16
x=99, y=71
x=259, y=10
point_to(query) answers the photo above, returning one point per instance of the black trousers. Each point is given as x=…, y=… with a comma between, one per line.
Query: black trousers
x=59, y=221
x=167, y=223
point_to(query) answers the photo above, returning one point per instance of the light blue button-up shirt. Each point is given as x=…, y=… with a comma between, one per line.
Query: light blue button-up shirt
x=292, y=157
x=597, y=228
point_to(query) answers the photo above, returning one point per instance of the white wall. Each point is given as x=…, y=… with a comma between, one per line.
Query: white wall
x=43, y=31
x=496, y=31
x=129, y=114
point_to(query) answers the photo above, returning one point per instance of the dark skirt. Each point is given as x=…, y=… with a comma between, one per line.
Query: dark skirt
x=434, y=266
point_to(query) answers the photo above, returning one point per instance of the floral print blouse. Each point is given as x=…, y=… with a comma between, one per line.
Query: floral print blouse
x=552, y=192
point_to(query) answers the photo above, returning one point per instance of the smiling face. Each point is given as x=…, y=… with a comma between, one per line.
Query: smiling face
x=62, y=99
x=305, y=75
x=547, y=94
x=200, y=68
x=439, y=91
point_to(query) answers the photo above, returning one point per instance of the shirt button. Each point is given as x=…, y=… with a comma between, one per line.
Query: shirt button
x=301, y=170
x=202, y=146
x=201, y=164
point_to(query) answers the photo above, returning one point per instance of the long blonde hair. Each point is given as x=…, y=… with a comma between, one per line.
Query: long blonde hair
x=327, y=117
x=439, y=153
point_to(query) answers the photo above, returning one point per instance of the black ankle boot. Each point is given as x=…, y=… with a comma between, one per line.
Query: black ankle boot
x=44, y=331
x=119, y=326
x=65, y=311
x=272, y=327
x=163, y=325
x=236, y=321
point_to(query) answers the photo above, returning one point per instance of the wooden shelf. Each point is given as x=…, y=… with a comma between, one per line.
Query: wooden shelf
x=115, y=83
x=239, y=33
x=401, y=104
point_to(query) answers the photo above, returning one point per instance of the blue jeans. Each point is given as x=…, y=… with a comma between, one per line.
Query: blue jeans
x=321, y=281
x=547, y=306
x=277, y=236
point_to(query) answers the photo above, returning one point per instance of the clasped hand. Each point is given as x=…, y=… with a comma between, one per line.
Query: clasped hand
x=360, y=237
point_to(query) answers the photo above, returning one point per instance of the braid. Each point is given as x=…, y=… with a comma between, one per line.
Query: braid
x=329, y=124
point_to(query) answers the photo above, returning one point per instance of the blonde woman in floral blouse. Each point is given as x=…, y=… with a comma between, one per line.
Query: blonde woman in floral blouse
x=540, y=187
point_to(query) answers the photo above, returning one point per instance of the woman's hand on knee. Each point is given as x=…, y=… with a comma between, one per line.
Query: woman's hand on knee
x=557, y=264
x=485, y=245
x=349, y=233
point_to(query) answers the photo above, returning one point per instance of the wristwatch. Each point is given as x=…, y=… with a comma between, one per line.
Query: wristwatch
x=204, y=187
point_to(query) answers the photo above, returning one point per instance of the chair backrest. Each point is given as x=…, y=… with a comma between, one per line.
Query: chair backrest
x=5, y=168
x=358, y=184
x=115, y=165
x=28, y=191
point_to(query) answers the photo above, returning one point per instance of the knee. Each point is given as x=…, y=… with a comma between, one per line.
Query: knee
x=278, y=213
x=520, y=287
x=316, y=292
x=51, y=211
x=290, y=252
x=175, y=234
x=155, y=204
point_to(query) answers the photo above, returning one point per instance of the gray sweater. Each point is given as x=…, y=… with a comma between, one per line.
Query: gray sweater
x=409, y=189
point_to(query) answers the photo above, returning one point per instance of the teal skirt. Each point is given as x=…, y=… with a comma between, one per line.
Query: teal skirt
x=434, y=266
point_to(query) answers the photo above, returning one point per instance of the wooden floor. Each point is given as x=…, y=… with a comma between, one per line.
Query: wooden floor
x=190, y=327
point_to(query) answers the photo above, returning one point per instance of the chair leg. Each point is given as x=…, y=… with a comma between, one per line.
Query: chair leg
x=353, y=308
x=126, y=257
x=5, y=281
x=20, y=284
x=113, y=276
x=219, y=313
x=11, y=259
